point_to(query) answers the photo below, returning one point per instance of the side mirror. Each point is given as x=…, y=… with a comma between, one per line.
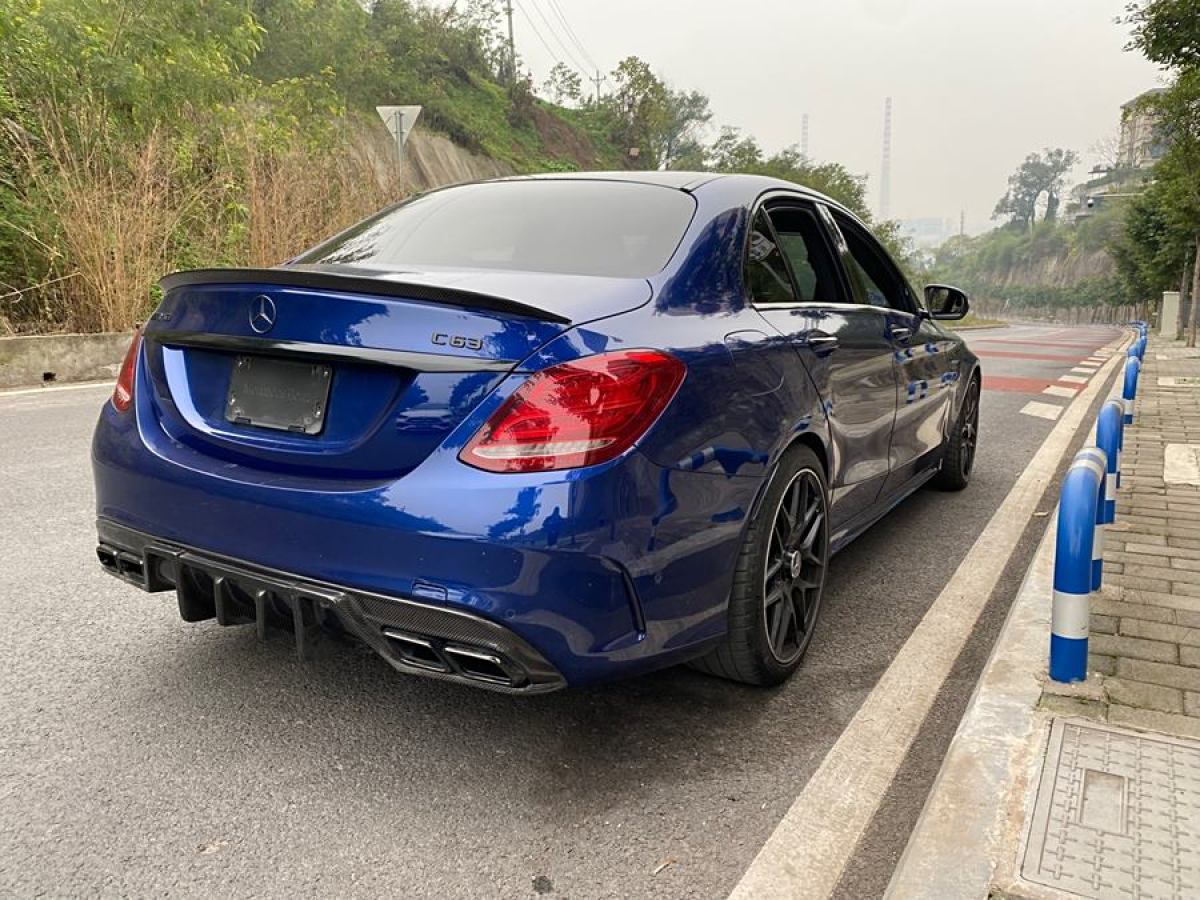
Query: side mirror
x=945, y=302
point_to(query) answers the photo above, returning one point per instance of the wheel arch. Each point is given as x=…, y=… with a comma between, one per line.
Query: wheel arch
x=808, y=439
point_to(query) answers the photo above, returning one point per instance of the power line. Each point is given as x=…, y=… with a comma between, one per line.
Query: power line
x=538, y=34
x=552, y=30
x=557, y=10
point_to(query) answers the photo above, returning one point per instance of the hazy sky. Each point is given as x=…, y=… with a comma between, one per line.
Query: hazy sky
x=975, y=84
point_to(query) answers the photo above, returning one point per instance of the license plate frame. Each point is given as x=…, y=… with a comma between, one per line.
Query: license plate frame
x=280, y=394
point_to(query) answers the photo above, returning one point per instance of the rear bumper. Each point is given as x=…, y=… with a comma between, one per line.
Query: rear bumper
x=607, y=574
x=416, y=638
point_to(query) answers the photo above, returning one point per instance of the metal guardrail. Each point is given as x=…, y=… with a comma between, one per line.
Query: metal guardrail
x=1087, y=504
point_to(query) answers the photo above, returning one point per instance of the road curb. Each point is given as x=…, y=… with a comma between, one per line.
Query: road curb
x=977, y=806
x=969, y=838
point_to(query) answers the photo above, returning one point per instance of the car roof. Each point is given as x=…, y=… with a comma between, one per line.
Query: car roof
x=684, y=181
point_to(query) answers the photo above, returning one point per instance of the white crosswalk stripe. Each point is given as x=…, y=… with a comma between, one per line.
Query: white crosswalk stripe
x=1042, y=410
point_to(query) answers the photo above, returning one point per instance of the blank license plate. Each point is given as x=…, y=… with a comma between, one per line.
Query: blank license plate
x=280, y=394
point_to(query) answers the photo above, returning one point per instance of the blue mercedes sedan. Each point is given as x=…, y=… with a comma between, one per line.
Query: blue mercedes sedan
x=537, y=432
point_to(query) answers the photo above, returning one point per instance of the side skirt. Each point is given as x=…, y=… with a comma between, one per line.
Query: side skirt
x=881, y=508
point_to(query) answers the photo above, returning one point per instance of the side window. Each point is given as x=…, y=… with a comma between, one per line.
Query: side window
x=766, y=273
x=867, y=264
x=803, y=243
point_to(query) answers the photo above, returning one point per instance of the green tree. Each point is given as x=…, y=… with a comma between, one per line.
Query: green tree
x=640, y=111
x=564, y=85
x=1040, y=175
x=687, y=112
x=1165, y=226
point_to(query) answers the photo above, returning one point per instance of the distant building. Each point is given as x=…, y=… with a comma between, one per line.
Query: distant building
x=928, y=232
x=1141, y=144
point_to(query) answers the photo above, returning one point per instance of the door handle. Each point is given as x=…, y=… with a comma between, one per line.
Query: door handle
x=819, y=342
x=899, y=333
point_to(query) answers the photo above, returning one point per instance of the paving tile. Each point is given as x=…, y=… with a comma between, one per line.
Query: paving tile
x=1183, y=677
x=1187, y=618
x=1103, y=665
x=1159, y=631
x=1144, y=695
x=1101, y=624
x=1135, y=648
x=1167, y=723
x=1189, y=656
x=1072, y=706
x=1149, y=584
x=1191, y=703
x=1163, y=549
x=1162, y=573
x=1134, y=610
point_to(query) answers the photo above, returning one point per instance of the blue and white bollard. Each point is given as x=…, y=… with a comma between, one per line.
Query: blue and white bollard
x=1073, y=568
x=1129, y=391
x=1110, y=428
x=1099, y=456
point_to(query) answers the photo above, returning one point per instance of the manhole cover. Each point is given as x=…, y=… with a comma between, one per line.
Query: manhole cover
x=1117, y=815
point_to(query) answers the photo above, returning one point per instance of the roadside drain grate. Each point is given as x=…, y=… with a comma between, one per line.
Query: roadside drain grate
x=1117, y=814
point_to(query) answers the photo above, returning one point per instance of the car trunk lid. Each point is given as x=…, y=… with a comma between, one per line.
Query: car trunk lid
x=348, y=372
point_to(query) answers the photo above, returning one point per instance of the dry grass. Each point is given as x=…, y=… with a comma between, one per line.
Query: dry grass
x=295, y=199
x=116, y=215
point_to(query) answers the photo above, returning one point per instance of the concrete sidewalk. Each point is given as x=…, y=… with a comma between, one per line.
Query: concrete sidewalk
x=1093, y=789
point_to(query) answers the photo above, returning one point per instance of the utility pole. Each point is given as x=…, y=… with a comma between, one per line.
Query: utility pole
x=962, y=223
x=599, y=78
x=885, y=180
x=512, y=45
x=804, y=137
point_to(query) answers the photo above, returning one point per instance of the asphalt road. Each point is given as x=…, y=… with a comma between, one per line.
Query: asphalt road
x=141, y=755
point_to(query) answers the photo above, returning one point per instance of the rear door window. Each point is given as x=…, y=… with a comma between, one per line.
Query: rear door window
x=802, y=240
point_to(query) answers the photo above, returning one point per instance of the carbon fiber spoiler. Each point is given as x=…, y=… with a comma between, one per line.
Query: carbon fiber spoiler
x=361, y=281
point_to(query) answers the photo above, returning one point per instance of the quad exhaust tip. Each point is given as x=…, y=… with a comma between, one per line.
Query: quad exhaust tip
x=451, y=659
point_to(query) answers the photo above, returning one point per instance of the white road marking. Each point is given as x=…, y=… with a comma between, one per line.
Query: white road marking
x=1086, y=366
x=809, y=849
x=107, y=385
x=1055, y=390
x=1080, y=370
x=1042, y=410
x=1073, y=379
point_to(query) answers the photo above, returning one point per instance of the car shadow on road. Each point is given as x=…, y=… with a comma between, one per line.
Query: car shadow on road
x=227, y=693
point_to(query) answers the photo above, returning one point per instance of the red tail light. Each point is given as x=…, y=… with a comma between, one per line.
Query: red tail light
x=577, y=414
x=122, y=397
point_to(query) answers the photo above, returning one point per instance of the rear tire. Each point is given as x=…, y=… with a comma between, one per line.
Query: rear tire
x=779, y=579
x=958, y=457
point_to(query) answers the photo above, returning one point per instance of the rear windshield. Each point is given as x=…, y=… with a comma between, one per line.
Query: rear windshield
x=572, y=227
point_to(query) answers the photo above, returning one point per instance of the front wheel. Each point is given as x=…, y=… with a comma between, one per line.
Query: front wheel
x=779, y=578
x=958, y=458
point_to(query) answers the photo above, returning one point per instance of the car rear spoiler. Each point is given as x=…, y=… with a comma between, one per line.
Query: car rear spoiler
x=360, y=283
